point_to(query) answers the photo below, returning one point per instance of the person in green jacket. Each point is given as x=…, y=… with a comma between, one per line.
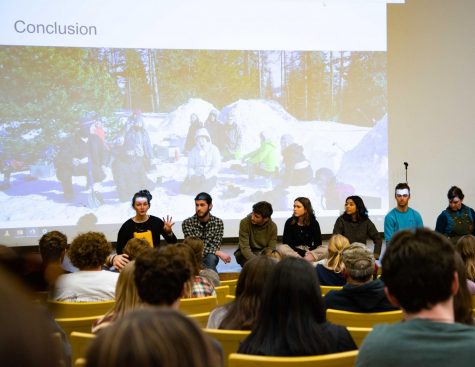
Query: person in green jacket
x=264, y=160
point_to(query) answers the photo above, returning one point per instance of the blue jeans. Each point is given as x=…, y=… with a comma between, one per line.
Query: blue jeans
x=210, y=261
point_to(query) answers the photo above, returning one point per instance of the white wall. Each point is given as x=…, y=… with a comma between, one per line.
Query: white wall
x=431, y=56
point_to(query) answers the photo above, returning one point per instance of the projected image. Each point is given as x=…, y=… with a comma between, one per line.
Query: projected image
x=82, y=129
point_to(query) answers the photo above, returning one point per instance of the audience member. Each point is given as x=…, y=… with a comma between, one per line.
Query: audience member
x=256, y=232
x=466, y=249
x=26, y=336
x=196, y=244
x=355, y=225
x=160, y=276
x=196, y=286
x=402, y=216
x=462, y=299
x=291, y=319
x=273, y=253
x=330, y=271
x=153, y=337
x=209, y=228
x=126, y=298
x=241, y=313
x=457, y=219
x=302, y=230
x=87, y=252
x=421, y=277
x=360, y=293
x=135, y=247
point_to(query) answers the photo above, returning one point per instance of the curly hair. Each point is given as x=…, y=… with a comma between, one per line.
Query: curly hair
x=135, y=247
x=89, y=250
x=160, y=275
x=52, y=245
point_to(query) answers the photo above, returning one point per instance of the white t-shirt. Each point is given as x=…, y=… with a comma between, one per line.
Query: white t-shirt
x=86, y=286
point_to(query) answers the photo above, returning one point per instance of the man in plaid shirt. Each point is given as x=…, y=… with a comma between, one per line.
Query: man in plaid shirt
x=209, y=228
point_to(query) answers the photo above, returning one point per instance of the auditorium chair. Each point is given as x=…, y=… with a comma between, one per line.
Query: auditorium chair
x=192, y=306
x=79, y=309
x=344, y=359
x=327, y=288
x=79, y=343
x=358, y=334
x=221, y=292
x=365, y=320
x=232, y=285
x=229, y=340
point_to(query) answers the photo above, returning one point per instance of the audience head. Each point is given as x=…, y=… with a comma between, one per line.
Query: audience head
x=419, y=269
x=354, y=206
x=160, y=275
x=466, y=249
x=135, y=247
x=336, y=245
x=126, y=295
x=272, y=252
x=359, y=263
x=26, y=335
x=463, y=298
x=10, y=261
x=153, y=337
x=197, y=245
x=53, y=246
x=89, y=250
x=291, y=313
x=242, y=312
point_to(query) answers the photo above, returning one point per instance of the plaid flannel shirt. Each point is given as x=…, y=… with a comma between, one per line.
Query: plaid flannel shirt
x=211, y=233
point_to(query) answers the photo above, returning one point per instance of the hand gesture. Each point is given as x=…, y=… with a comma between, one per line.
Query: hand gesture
x=223, y=256
x=168, y=224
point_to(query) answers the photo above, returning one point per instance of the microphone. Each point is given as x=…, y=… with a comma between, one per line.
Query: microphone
x=406, y=164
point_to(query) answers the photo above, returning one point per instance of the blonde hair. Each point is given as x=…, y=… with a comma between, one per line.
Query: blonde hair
x=126, y=295
x=336, y=246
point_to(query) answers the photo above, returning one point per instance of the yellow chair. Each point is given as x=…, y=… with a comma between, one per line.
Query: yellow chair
x=192, y=306
x=366, y=320
x=79, y=324
x=232, y=285
x=229, y=275
x=79, y=343
x=358, y=334
x=229, y=340
x=221, y=292
x=81, y=362
x=79, y=309
x=344, y=359
x=327, y=288
x=230, y=298
x=200, y=318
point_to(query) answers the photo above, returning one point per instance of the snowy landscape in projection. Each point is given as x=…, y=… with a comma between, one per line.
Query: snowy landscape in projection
x=283, y=123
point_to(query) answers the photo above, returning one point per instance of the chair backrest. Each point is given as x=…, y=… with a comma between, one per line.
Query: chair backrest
x=221, y=292
x=327, y=288
x=79, y=309
x=232, y=285
x=230, y=298
x=344, y=359
x=79, y=343
x=358, y=334
x=192, y=306
x=358, y=319
x=81, y=362
x=229, y=340
x=200, y=318
x=229, y=275
x=79, y=324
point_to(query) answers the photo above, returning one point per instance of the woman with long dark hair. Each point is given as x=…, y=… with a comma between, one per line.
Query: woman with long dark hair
x=302, y=230
x=291, y=319
x=355, y=224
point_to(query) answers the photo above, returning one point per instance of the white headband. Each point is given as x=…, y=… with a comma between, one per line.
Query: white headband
x=402, y=192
